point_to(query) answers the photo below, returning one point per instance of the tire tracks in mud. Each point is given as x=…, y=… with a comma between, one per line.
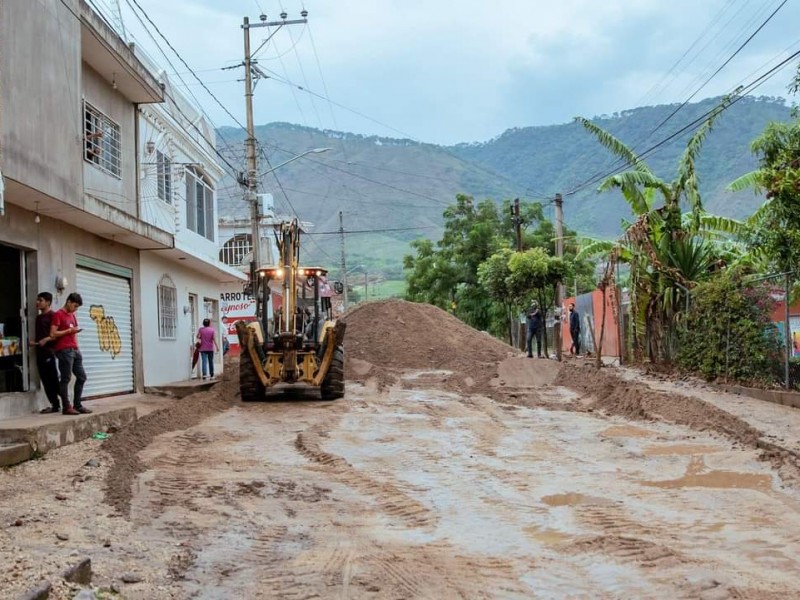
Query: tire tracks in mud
x=390, y=498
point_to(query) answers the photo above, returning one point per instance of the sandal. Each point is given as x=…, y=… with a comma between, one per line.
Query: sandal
x=49, y=410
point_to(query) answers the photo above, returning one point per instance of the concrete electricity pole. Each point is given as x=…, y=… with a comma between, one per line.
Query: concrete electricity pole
x=517, y=224
x=344, y=266
x=250, y=140
x=559, y=202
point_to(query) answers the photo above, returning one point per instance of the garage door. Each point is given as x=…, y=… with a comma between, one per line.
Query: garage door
x=107, y=339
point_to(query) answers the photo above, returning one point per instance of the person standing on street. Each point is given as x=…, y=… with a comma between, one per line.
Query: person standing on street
x=533, y=320
x=64, y=330
x=575, y=328
x=45, y=355
x=208, y=343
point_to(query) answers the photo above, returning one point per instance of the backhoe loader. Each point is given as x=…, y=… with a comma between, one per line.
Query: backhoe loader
x=302, y=343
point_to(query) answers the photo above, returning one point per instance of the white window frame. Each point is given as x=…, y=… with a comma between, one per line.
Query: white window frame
x=199, y=217
x=102, y=147
x=236, y=248
x=167, y=308
x=164, y=176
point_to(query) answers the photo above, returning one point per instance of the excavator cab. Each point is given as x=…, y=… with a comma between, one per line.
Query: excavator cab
x=304, y=343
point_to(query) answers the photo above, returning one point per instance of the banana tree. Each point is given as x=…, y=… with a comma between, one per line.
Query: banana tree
x=667, y=251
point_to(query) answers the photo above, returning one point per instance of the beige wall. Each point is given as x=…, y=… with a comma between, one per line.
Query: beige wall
x=54, y=246
x=40, y=119
x=120, y=193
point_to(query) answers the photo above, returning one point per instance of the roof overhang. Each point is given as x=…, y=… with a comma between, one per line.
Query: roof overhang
x=220, y=272
x=109, y=55
x=95, y=216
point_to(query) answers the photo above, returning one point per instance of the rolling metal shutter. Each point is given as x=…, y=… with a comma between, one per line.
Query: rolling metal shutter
x=107, y=338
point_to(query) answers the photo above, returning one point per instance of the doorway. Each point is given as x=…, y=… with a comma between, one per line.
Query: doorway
x=13, y=322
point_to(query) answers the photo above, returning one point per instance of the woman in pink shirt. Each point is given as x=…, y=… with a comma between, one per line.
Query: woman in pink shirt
x=208, y=343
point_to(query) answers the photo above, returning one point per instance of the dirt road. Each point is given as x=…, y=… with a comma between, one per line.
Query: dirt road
x=453, y=482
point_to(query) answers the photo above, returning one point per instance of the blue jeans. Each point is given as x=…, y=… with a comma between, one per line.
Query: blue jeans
x=207, y=357
x=70, y=362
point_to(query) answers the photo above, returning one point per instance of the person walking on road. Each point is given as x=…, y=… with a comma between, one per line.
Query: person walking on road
x=533, y=322
x=64, y=330
x=575, y=329
x=208, y=343
x=45, y=355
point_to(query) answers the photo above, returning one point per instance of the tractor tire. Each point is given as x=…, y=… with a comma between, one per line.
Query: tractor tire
x=333, y=385
x=250, y=386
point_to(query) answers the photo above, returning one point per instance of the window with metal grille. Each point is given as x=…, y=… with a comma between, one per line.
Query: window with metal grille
x=167, y=309
x=235, y=249
x=101, y=141
x=199, y=204
x=164, y=173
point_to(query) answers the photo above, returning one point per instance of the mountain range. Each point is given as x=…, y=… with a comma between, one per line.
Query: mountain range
x=391, y=191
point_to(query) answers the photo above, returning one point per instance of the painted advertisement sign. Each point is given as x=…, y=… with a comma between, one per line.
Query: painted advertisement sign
x=235, y=306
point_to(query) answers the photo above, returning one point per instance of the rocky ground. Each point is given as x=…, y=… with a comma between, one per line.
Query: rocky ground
x=454, y=467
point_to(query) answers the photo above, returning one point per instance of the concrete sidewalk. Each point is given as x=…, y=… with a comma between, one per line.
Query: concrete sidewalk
x=21, y=438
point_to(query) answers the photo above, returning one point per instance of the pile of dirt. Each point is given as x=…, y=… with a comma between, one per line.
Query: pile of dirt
x=124, y=446
x=635, y=400
x=393, y=335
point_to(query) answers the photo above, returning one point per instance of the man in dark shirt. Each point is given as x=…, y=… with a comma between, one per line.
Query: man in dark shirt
x=45, y=356
x=534, y=324
x=575, y=328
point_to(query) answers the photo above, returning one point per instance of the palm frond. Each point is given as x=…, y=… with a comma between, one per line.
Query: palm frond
x=631, y=184
x=616, y=146
x=750, y=180
x=717, y=224
x=594, y=247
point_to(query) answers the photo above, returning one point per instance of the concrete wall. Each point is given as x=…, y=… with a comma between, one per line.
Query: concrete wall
x=53, y=247
x=40, y=112
x=168, y=361
x=119, y=192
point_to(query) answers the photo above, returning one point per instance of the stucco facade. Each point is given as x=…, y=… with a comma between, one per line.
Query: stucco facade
x=75, y=215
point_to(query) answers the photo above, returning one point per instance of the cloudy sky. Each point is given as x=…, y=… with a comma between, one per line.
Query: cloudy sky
x=449, y=71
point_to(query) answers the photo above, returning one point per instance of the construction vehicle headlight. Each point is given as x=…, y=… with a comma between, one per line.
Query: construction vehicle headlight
x=279, y=273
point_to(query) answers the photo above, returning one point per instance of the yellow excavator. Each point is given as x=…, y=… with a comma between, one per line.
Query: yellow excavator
x=302, y=343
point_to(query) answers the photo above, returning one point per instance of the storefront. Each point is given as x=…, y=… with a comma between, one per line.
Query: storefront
x=106, y=318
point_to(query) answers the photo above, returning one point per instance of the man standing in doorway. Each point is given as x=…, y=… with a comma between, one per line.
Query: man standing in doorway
x=575, y=328
x=65, y=330
x=533, y=322
x=45, y=355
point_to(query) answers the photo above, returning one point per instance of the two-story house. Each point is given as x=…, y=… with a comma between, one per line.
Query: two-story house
x=75, y=213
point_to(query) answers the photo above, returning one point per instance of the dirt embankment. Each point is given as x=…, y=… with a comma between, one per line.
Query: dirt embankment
x=634, y=400
x=394, y=335
x=124, y=446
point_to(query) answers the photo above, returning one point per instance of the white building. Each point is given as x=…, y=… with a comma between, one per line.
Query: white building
x=181, y=286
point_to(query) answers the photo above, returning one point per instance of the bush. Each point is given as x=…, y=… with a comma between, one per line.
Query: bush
x=727, y=333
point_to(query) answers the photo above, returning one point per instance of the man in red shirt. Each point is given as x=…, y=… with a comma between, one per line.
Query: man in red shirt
x=64, y=330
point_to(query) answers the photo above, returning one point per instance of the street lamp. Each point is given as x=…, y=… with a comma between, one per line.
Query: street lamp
x=301, y=155
x=256, y=234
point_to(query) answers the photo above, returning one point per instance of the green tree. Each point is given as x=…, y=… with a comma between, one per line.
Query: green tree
x=774, y=230
x=727, y=332
x=493, y=275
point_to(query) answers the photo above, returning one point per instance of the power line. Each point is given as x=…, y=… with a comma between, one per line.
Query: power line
x=741, y=93
x=353, y=231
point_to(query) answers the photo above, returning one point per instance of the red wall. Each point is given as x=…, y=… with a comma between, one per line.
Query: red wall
x=610, y=336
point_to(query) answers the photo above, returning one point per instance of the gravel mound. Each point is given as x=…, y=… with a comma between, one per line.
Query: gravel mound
x=395, y=335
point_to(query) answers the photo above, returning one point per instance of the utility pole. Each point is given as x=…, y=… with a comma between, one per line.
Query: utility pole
x=517, y=224
x=559, y=202
x=344, y=265
x=250, y=144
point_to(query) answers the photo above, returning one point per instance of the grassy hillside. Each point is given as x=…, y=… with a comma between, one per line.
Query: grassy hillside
x=391, y=191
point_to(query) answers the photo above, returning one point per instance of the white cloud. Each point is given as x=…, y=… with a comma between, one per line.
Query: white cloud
x=449, y=71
